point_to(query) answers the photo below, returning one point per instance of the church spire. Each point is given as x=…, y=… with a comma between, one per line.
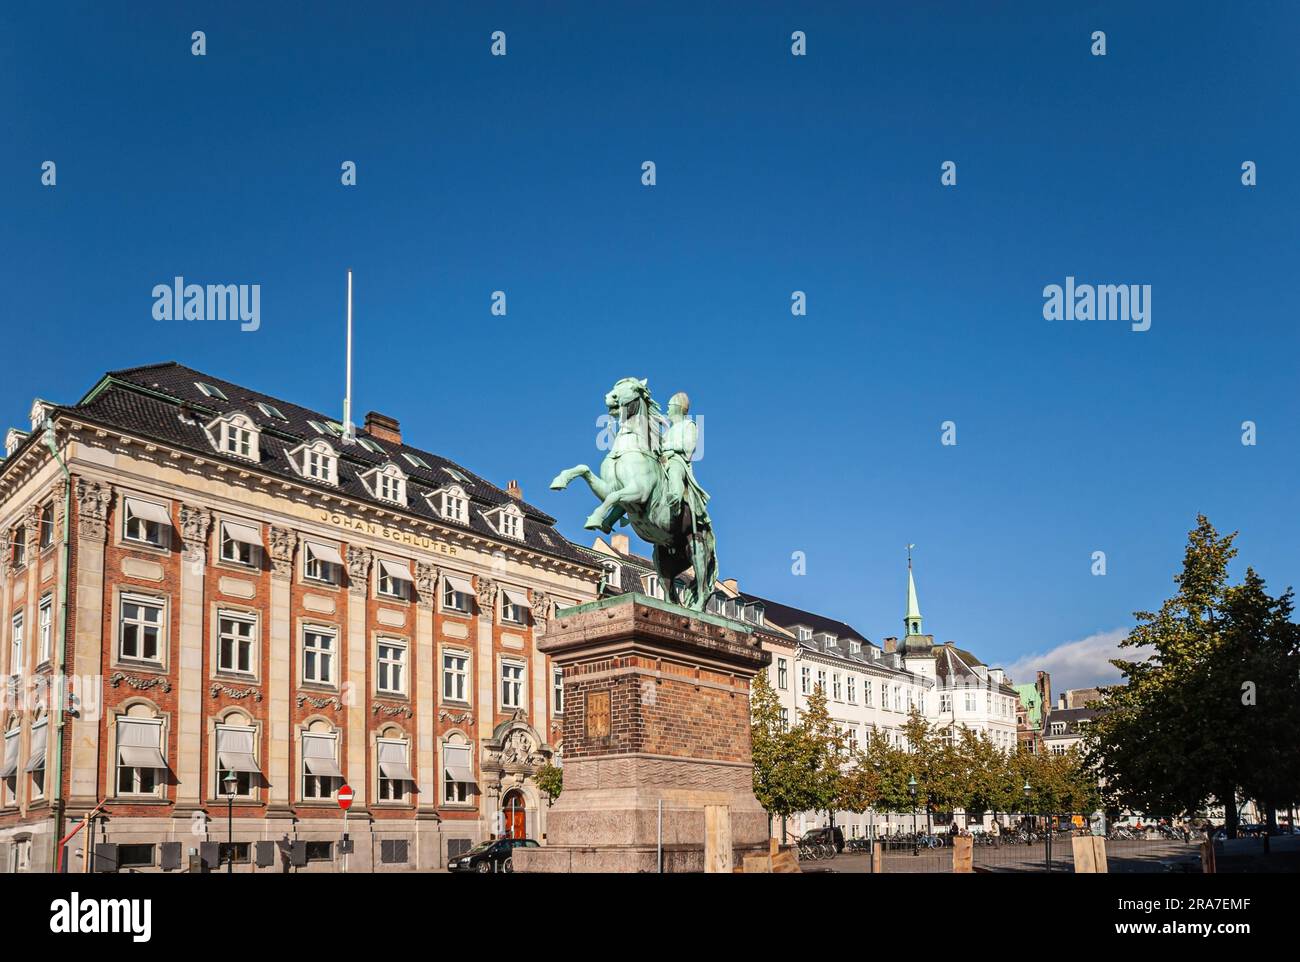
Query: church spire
x=913, y=618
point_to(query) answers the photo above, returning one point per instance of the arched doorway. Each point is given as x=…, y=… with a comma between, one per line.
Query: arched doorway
x=514, y=814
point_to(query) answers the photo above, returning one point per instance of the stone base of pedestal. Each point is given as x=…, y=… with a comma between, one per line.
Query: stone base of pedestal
x=656, y=732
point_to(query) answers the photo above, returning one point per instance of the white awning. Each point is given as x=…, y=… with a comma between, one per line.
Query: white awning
x=395, y=570
x=11, y=755
x=516, y=597
x=318, y=756
x=456, y=761
x=323, y=552
x=137, y=743
x=37, y=759
x=235, y=750
x=243, y=533
x=392, y=761
x=148, y=511
x=459, y=585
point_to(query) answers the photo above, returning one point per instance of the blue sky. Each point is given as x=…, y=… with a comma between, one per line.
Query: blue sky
x=775, y=174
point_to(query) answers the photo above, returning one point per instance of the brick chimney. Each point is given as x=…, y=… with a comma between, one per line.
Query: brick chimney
x=891, y=645
x=732, y=585
x=383, y=428
x=515, y=491
x=620, y=543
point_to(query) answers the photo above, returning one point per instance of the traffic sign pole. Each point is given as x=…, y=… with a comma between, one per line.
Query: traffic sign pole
x=345, y=802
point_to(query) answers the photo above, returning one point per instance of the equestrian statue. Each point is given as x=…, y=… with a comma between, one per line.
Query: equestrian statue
x=646, y=481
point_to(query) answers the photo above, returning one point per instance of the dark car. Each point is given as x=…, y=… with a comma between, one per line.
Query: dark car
x=495, y=855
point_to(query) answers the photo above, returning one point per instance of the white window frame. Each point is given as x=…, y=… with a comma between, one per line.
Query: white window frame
x=322, y=786
x=386, y=666
x=246, y=785
x=805, y=680
x=16, y=644
x=142, y=625
x=326, y=572
x=449, y=593
x=137, y=776
x=456, y=793
x=457, y=675
x=387, y=586
x=510, y=524
x=851, y=689
x=513, y=692
x=45, y=623
x=782, y=674
x=232, y=551
x=159, y=536
x=238, y=641
x=391, y=789
x=837, y=686
x=331, y=653
x=557, y=691
x=238, y=440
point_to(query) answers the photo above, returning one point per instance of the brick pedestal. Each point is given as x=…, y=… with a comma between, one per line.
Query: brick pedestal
x=656, y=728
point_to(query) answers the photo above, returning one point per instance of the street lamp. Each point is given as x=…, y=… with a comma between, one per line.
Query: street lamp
x=231, y=781
x=911, y=790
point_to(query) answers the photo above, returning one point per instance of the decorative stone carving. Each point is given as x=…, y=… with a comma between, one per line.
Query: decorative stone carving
x=543, y=605
x=237, y=693
x=32, y=528
x=393, y=711
x=93, y=500
x=6, y=553
x=195, y=524
x=60, y=489
x=455, y=717
x=282, y=545
x=139, y=684
x=487, y=596
x=426, y=583
x=320, y=702
x=359, y=561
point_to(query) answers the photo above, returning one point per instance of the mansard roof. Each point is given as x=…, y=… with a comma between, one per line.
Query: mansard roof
x=147, y=401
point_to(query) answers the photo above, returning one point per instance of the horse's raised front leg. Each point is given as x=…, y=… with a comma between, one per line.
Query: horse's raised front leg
x=564, y=477
x=632, y=493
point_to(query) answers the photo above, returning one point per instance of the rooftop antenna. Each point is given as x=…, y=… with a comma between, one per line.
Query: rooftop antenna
x=349, y=432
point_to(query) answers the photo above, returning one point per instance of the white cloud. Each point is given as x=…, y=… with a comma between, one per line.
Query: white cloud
x=1077, y=664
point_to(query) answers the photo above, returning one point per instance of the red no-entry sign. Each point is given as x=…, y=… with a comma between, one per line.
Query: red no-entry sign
x=345, y=797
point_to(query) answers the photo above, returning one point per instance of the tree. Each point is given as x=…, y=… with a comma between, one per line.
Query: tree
x=1184, y=729
x=550, y=780
x=821, y=748
x=778, y=753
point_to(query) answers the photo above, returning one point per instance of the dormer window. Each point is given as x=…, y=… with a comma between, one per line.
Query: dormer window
x=451, y=503
x=13, y=440
x=508, y=520
x=805, y=634
x=613, y=575
x=316, y=461
x=40, y=410
x=651, y=585
x=387, y=483
x=235, y=434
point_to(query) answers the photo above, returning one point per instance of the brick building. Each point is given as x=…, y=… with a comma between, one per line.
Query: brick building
x=246, y=598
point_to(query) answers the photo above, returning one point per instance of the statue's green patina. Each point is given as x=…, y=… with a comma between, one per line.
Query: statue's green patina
x=646, y=481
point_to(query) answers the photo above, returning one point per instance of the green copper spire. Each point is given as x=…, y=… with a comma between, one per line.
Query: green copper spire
x=913, y=618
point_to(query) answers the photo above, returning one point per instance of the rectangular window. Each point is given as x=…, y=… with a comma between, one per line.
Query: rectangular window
x=146, y=522
x=36, y=758
x=514, y=606
x=322, y=563
x=866, y=693
x=455, y=676
x=458, y=773
x=236, y=852
x=237, y=441
x=557, y=691
x=837, y=687
x=392, y=579
x=320, y=851
x=970, y=701
x=456, y=594
x=47, y=525
x=18, y=541
x=884, y=696
x=318, y=655
x=390, y=671
x=16, y=646
x=805, y=680
x=394, y=770
x=945, y=703
x=852, y=690
x=236, y=755
x=236, y=642
x=321, y=774
x=140, y=630
x=821, y=681
x=785, y=719
x=389, y=488
x=782, y=674
x=512, y=685
x=317, y=465
x=139, y=754
x=241, y=544
x=455, y=508
x=45, y=651
x=135, y=856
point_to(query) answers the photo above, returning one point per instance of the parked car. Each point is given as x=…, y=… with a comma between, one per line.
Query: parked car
x=494, y=855
x=825, y=835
